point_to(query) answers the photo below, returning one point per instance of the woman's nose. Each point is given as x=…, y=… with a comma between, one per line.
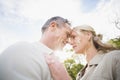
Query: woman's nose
x=70, y=41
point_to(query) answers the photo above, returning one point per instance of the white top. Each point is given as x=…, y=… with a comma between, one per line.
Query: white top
x=25, y=61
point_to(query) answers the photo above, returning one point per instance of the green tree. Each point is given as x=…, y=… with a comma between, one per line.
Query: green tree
x=72, y=67
x=115, y=42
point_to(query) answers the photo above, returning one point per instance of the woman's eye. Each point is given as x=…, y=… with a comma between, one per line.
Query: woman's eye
x=73, y=37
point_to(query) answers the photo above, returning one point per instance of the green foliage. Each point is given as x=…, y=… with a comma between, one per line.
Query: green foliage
x=72, y=67
x=115, y=42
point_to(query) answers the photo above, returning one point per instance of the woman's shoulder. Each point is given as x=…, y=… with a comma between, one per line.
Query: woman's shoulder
x=113, y=55
x=113, y=52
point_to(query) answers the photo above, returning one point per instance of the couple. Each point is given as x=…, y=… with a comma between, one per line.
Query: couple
x=36, y=61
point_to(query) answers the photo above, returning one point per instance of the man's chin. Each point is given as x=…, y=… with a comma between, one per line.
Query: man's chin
x=60, y=49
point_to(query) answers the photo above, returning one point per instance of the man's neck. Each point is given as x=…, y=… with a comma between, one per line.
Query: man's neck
x=48, y=44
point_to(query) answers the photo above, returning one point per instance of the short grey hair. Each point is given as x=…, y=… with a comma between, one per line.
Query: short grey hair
x=58, y=19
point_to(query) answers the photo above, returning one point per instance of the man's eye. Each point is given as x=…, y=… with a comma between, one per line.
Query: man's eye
x=72, y=37
x=68, y=35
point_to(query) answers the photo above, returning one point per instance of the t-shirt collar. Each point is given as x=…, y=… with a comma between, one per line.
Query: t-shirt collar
x=96, y=59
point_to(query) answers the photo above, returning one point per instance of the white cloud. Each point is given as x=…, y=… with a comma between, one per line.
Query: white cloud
x=43, y=9
x=30, y=15
x=106, y=15
x=101, y=18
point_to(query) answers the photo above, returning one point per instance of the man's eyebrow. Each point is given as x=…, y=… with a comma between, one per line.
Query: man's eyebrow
x=68, y=34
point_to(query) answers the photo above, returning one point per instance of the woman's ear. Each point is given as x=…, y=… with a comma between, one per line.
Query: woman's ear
x=89, y=34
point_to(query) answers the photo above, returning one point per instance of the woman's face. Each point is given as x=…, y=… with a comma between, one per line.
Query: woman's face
x=79, y=41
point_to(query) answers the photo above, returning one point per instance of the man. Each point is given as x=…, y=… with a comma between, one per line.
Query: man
x=25, y=61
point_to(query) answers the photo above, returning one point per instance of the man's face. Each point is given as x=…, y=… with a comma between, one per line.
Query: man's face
x=62, y=36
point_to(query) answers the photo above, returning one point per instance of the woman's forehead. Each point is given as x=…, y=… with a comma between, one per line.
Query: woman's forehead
x=73, y=33
x=76, y=31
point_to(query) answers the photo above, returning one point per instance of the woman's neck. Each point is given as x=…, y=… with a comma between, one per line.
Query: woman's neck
x=90, y=53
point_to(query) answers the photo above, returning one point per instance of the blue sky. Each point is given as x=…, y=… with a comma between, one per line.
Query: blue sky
x=21, y=20
x=89, y=5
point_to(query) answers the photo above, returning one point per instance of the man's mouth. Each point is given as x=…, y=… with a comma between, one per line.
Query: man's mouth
x=64, y=42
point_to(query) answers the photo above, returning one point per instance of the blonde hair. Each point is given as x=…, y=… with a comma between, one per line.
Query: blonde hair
x=96, y=39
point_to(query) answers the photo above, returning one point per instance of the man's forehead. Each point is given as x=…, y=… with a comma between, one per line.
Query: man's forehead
x=68, y=28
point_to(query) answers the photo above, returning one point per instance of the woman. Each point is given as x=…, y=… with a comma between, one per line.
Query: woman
x=85, y=41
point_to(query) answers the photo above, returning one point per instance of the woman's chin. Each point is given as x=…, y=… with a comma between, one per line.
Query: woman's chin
x=79, y=52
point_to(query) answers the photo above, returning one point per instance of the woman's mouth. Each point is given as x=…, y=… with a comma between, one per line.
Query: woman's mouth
x=74, y=46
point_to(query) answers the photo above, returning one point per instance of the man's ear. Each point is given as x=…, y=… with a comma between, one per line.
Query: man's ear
x=53, y=25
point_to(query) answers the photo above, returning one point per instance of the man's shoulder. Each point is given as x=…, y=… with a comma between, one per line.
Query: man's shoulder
x=18, y=47
x=22, y=43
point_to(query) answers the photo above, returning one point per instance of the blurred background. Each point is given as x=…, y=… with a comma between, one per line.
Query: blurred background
x=21, y=20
